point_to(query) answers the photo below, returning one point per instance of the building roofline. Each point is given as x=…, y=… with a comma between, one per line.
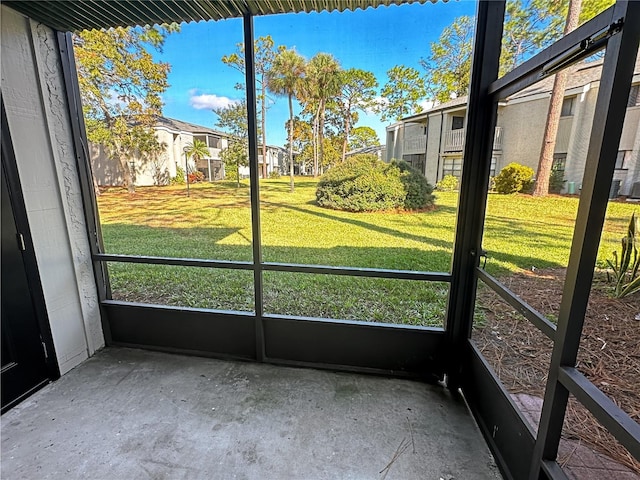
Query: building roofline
x=180, y=126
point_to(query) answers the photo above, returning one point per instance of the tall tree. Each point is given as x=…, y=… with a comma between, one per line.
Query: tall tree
x=264, y=55
x=322, y=82
x=285, y=78
x=362, y=137
x=449, y=65
x=233, y=120
x=303, y=142
x=545, y=163
x=529, y=26
x=357, y=92
x=121, y=87
x=402, y=93
x=576, y=13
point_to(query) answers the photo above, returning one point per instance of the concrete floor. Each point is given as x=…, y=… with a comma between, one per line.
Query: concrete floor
x=133, y=414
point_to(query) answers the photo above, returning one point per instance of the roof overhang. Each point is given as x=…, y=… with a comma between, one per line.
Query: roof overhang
x=76, y=15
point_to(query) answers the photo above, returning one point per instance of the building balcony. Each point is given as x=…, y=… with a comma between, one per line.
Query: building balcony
x=454, y=140
x=414, y=145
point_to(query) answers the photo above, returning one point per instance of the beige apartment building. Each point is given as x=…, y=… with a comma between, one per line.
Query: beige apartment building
x=174, y=135
x=433, y=141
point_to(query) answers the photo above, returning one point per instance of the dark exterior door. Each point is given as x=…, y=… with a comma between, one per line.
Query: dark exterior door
x=26, y=350
x=23, y=361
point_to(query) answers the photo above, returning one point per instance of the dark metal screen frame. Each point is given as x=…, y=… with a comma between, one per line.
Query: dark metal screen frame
x=382, y=348
x=510, y=437
x=416, y=351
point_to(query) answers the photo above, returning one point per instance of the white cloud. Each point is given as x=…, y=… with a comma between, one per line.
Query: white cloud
x=209, y=101
x=426, y=105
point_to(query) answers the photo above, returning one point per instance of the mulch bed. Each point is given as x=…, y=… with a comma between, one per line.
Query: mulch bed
x=609, y=352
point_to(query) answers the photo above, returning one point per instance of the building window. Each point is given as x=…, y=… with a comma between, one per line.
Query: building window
x=457, y=123
x=634, y=96
x=213, y=142
x=559, y=162
x=568, y=106
x=622, y=159
x=452, y=166
x=416, y=161
x=492, y=171
x=209, y=140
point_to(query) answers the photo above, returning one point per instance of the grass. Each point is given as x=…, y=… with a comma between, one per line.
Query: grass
x=521, y=232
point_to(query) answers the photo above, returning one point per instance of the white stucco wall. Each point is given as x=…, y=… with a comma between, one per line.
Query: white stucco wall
x=149, y=172
x=523, y=128
x=433, y=167
x=395, y=139
x=33, y=92
x=631, y=141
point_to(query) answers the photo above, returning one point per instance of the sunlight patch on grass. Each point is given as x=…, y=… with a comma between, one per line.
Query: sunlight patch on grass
x=215, y=223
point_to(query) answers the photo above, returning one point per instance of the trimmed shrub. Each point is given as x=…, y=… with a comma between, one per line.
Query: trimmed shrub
x=514, y=178
x=492, y=184
x=556, y=181
x=179, y=179
x=274, y=174
x=196, y=177
x=365, y=184
x=449, y=183
x=231, y=174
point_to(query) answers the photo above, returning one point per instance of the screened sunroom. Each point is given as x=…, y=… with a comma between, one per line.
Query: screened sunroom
x=245, y=355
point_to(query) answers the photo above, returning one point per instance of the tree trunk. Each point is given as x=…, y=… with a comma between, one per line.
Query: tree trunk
x=315, y=136
x=321, y=135
x=96, y=187
x=347, y=127
x=291, y=143
x=264, y=129
x=129, y=180
x=545, y=163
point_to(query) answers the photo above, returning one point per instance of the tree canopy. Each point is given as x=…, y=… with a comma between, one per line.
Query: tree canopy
x=264, y=55
x=362, y=137
x=357, y=92
x=233, y=120
x=402, y=93
x=449, y=65
x=121, y=87
x=529, y=26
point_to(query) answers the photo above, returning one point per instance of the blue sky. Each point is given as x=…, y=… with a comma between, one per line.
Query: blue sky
x=373, y=39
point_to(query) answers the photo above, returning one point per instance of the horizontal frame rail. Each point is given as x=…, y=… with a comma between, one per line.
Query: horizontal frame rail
x=531, y=71
x=612, y=417
x=553, y=470
x=180, y=262
x=526, y=310
x=358, y=346
x=358, y=272
x=278, y=267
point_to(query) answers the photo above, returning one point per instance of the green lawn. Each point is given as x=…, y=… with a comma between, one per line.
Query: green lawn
x=215, y=223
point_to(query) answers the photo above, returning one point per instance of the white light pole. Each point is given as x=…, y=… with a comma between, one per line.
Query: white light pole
x=186, y=167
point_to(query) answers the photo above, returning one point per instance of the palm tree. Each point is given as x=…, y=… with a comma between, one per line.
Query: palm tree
x=196, y=150
x=322, y=83
x=285, y=78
